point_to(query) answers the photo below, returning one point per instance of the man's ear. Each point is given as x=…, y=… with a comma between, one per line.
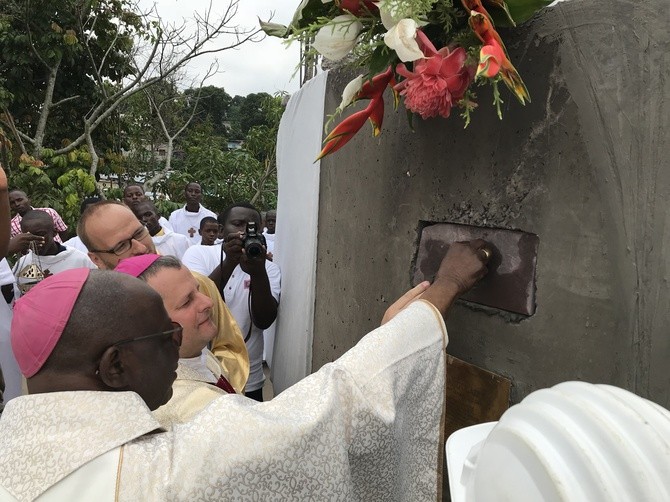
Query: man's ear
x=113, y=369
x=96, y=259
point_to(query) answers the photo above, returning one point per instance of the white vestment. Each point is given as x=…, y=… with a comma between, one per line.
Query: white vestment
x=163, y=222
x=10, y=368
x=75, y=242
x=366, y=427
x=187, y=223
x=52, y=264
x=171, y=243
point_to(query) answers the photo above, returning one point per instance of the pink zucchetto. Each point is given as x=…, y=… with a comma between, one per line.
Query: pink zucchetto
x=135, y=265
x=40, y=316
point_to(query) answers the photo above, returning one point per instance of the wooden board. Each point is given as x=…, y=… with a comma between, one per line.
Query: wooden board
x=473, y=395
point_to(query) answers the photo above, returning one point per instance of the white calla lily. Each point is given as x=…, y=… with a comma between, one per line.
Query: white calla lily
x=402, y=39
x=336, y=39
x=350, y=91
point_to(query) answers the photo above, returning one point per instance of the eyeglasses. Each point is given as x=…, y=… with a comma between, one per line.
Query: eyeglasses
x=175, y=333
x=124, y=246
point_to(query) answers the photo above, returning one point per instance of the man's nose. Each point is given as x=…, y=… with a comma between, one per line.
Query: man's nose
x=138, y=248
x=207, y=302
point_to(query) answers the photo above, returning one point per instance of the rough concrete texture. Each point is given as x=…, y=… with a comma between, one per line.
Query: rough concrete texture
x=584, y=167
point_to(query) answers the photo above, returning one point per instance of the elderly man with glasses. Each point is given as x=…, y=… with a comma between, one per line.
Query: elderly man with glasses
x=111, y=232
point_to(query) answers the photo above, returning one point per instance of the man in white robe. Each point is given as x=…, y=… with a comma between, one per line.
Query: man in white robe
x=366, y=427
x=186, y=220
x=49, y=258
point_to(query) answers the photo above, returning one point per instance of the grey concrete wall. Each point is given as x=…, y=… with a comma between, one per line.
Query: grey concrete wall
x=584, y=167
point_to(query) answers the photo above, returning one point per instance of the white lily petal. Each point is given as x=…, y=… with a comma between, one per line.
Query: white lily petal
x=402, y=39
x=326, y=1
x=338, y=37
x=350, y=91
x=388, y=20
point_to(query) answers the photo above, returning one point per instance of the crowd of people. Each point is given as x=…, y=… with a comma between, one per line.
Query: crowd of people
x=133, y=364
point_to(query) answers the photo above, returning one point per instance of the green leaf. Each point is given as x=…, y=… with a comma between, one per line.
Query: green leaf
x=273, y=29
x=308, y=11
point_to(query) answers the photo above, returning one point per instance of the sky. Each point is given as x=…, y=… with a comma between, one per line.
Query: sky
x=266, y=66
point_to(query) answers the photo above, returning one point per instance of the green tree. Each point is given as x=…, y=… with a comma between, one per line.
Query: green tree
x=67, y=65
x=232, y=176
x=254, y=111
x=213, y=105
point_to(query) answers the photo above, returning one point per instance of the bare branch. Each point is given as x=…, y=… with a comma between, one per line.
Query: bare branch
x=8, y=120
x=64, y=100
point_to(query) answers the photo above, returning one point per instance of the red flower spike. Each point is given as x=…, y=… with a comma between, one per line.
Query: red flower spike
x=484, y=30
x=476, y=5
x=493, y=59
x=348, y=128
x=376, y=86
x=377, y=116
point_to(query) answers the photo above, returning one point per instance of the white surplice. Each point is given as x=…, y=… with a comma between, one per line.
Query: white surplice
x=171, y=243
x=366, y=427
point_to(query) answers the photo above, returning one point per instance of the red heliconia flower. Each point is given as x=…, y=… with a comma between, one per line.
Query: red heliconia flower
x=357, y=7
x=493, y=59
x=437, y=82
x=374, y=91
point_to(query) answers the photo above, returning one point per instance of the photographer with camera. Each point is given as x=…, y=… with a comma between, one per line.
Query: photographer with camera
x=249, y=284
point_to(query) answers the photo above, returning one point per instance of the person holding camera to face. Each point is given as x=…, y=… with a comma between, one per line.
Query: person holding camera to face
x=249, y=284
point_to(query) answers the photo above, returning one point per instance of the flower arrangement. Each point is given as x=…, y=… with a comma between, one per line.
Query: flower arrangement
x=396, y=42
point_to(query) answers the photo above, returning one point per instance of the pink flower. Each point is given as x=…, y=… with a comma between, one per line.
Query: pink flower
x=438, y=81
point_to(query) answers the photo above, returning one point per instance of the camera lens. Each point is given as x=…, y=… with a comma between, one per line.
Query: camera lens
x=254, y=249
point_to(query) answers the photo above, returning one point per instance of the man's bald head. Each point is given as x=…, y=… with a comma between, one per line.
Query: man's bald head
x=108, y=224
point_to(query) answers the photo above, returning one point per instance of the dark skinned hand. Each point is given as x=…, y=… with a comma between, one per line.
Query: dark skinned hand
x=234, y=248
x=20, y=243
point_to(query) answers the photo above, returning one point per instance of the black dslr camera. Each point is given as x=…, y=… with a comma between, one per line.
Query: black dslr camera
x=253, y=243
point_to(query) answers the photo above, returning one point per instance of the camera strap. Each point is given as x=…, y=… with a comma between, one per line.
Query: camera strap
x=222, y=287
x=251, y=317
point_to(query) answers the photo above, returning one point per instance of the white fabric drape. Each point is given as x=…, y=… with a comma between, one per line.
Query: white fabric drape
x=298, y=144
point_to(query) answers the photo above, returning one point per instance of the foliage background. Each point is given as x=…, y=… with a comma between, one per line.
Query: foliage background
x=47, y=50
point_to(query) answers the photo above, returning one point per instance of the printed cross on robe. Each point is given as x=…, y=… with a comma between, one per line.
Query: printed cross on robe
x=191, y=232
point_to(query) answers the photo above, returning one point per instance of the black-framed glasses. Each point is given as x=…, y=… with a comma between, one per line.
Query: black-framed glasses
x=175, y=333
x=125, y=245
